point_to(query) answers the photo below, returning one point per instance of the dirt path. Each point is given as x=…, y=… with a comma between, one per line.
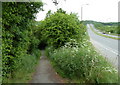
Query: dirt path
x=45, y=72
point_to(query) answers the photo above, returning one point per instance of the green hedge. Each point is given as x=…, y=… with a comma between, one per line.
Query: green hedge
x=18, y=38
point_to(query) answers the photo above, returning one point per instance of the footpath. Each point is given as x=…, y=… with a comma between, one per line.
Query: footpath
x=45, y=72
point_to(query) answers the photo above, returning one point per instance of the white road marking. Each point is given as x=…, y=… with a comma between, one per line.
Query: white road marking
x=105, y=47
x=109, y=53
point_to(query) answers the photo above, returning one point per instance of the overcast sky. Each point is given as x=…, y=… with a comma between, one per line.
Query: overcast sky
x=97, y=10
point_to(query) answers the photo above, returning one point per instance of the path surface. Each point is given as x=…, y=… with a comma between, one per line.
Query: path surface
x=45, y=72
x=108, y=47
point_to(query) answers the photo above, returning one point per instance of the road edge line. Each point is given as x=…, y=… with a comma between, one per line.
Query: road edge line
x=102, y=34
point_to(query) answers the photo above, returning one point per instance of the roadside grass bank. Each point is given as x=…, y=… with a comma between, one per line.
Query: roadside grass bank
x=103, y=35
x=111, y=28
x=26, y=68
x=0, y=70
x=108, y=28
x=80, y=63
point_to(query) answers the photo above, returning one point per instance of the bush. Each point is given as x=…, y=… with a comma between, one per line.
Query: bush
x=36, y=53
x=59, y=28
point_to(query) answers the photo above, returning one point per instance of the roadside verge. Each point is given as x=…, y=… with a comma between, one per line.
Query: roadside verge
x=117, y=38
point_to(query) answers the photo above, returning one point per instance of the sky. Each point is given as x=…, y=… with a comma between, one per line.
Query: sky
x=97, y=10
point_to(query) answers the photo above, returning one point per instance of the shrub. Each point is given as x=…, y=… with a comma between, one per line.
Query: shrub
x=59, y=28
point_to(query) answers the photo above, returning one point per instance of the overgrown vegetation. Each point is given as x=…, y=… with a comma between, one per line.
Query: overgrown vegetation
x=59, y=28
x=19, y=43
x=82, y=64
x=71, y=53
x=66, y=41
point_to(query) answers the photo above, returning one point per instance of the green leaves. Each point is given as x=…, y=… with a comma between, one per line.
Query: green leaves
x=18, y=28
x=108, y=28
x=59, y=28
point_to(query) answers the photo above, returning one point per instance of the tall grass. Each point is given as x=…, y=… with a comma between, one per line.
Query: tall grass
x=81, y=63
x=26, y=67
x=0, y=69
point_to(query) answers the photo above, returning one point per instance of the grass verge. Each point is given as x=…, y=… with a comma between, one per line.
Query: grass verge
x=82, y=64
x=103, y=35
x=0, y=70
x=25, y=69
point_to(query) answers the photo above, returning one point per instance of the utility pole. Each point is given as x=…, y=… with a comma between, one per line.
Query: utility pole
x=82, y=11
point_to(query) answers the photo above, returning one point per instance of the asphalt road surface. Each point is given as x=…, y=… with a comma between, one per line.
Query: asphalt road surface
x=106, y=46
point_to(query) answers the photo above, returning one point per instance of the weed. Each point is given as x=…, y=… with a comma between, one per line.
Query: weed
x=26, y=66
x=82, y=64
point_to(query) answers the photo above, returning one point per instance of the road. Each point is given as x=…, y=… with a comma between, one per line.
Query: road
x=104, y=33
x=106, y=46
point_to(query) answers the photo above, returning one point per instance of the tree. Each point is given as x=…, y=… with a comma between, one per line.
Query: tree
x=60, y=28
x=17, y=34
x=48, y=14
x=61, y=11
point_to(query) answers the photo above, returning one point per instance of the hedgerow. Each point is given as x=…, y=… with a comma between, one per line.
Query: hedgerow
x=18, y=38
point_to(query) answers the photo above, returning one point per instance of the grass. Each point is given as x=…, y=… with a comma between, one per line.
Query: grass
x=103, y=35
x=0, y=70
x=0, y=60
x=112, y=27
x=82, y=64
x=25, y=69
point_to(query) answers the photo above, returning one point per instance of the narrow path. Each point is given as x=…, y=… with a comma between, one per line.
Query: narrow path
x=45, y=72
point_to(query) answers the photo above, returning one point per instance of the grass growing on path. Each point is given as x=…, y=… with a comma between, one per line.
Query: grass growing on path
x=82, y=64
